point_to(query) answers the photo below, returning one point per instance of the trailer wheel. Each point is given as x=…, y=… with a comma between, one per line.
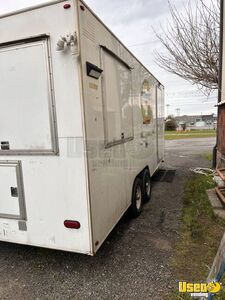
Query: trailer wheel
x=137, y=199
x=146, y=185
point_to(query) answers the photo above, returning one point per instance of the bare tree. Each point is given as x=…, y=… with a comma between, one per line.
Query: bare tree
x=191, y=44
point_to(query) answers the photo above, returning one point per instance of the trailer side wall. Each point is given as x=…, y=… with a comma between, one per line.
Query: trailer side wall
x=121, y=122
x=54, y=187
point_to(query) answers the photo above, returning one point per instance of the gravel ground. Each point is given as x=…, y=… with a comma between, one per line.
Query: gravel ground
x=133, y=263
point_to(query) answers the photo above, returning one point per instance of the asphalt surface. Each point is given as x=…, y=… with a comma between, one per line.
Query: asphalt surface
x=133, y=263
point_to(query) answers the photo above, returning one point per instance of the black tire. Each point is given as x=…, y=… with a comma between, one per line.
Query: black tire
x=137, y=199
x=146, y=186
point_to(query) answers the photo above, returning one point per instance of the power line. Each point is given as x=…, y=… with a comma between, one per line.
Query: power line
x=186, y=104
x=142, y=44
x=185, y=101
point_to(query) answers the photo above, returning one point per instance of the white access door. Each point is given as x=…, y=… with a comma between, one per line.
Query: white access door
x=26, y=98
x=160, y=122
x=11, y=191
x=118, y=102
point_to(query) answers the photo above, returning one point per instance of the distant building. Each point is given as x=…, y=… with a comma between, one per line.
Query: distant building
x=197, y=120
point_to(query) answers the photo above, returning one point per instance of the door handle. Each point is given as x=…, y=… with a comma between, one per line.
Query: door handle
x=144, y=143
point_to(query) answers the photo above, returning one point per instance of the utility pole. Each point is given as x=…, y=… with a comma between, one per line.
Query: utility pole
x=167, y=106
x=178, y=112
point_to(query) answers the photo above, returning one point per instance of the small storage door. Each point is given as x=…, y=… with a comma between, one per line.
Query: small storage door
x=11, y=193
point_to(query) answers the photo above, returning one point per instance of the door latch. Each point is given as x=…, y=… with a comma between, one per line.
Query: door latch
x=14, y=191
x=4, y=145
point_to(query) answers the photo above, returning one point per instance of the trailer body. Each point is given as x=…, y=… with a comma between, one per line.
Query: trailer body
x=80, y=118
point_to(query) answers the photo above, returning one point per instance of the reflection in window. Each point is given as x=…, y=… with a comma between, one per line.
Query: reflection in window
x=117, y=100
x=145, y=103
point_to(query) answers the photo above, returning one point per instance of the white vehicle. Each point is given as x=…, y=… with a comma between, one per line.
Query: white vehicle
x=81, y=128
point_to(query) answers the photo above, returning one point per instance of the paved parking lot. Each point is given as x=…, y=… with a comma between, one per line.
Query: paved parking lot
x=133, y=263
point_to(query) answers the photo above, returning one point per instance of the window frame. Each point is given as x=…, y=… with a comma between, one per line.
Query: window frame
x=54, y=150
x=107, y=143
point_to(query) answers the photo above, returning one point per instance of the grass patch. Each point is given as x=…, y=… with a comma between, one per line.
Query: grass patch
x=196, y=131
x=208, y=156
x=221, y=295
x=200, y=234
x=174, y=135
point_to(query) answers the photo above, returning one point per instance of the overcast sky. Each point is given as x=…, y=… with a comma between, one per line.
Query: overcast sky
x=132, y=22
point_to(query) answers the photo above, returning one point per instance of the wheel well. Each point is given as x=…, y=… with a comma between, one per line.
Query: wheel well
x=140, y=174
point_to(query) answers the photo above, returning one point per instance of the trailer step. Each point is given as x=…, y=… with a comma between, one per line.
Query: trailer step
x=221, y=173
x=220, y=191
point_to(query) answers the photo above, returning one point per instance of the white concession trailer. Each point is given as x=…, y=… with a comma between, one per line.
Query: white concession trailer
x=81, y=128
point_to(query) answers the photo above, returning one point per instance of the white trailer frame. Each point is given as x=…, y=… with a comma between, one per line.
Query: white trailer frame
x=80, y=120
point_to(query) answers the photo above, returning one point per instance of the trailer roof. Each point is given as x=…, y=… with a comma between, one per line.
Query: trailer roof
x=32, y=7
x=83, y=2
